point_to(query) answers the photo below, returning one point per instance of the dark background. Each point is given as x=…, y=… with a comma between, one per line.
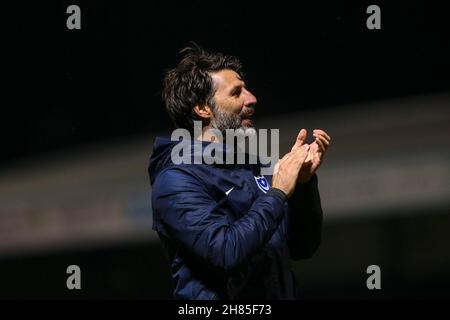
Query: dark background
x=70, y=87
x=65, y=88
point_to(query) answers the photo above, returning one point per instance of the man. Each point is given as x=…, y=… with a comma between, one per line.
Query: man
x=228, y=235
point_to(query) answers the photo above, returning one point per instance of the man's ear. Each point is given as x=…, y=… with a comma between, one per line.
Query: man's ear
x=204, y=112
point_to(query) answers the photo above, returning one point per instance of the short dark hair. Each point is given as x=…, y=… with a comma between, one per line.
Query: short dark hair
x=190, y=83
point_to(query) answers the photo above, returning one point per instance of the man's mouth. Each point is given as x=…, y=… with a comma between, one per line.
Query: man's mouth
x=248, y=114
x=246, y=118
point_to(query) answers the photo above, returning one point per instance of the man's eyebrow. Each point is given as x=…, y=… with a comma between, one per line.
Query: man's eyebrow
x=237, y=87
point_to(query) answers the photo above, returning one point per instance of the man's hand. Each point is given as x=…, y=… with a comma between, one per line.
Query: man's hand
x=317, y=151
x=286, y=171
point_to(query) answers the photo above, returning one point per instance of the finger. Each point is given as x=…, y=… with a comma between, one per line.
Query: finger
x=320, y=144
x=324, y=141
x=322, y=133
x=324, y=138
x=301, y=137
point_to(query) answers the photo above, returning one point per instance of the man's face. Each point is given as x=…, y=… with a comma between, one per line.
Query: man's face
x=233, y=102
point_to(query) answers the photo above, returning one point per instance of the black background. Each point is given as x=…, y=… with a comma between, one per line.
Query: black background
x=70, y=87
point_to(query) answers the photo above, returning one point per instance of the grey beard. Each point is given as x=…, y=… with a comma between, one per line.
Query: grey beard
x=224, y=120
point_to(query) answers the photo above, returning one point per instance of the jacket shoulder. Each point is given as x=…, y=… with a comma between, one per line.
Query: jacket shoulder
x=174, y=177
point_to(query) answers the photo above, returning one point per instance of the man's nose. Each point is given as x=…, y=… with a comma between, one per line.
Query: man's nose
x=250, y=99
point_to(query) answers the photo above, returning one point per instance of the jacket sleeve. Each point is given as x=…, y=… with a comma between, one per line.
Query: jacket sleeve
x=305, y=216
x=185, y=213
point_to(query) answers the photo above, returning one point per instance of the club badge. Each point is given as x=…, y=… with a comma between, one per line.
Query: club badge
x=262, y=183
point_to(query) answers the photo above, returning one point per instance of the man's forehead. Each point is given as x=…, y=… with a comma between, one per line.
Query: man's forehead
x=226, y=78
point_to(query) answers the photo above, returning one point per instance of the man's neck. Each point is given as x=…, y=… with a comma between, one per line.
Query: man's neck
x=208, y=135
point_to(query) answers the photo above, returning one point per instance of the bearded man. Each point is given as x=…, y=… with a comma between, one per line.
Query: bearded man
x=230, y=232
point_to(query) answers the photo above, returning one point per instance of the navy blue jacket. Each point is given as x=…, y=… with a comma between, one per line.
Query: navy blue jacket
x=227, y=233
